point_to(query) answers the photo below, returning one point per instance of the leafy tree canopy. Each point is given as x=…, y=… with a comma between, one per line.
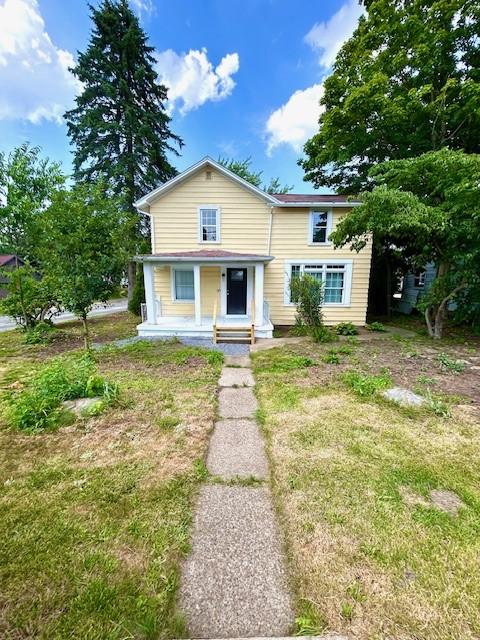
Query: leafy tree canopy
x=243, y=169
x=427, y=207
x=27, y=184
x=406, y=82
x=82, y=247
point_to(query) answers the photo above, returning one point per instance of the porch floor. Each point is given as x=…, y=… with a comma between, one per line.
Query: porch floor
x=185, y=326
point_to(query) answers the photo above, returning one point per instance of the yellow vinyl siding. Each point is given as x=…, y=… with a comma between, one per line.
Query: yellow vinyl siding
x=244, y=228
x=290, y=237
x=209, y=285
x=244, y=217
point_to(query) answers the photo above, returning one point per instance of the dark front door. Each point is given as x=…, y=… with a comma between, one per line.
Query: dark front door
x=236, y=291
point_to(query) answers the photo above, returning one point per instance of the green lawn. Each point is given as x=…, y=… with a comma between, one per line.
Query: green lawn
x=95, y=517
x=370, y=554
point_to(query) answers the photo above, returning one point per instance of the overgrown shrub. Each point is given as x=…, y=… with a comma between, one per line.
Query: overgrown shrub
x=42, y=333
x=307, y=293
x=375, y=326
x=323, y=334
x=30, y=297
x=299, y=329
x=38, y=406
x=346, y=329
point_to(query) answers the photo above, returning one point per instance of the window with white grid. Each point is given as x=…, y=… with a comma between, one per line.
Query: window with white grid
x=335, y=279
x=209, y=221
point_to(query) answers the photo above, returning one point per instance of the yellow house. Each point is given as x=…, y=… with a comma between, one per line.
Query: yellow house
x=223, y=253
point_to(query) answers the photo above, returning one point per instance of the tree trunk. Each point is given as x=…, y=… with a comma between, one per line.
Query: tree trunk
x=389, y=287
x=86, y=336
x=132, y=278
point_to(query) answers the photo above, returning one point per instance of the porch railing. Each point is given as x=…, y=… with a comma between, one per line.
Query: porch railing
x=143, y=309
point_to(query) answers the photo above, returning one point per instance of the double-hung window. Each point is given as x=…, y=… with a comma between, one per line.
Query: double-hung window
x=335, y=277
x=320, y=227
x=209, y=223
x=183, y=286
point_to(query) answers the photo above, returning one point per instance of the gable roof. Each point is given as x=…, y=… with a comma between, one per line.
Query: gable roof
x=6, y=258
x=143, y=204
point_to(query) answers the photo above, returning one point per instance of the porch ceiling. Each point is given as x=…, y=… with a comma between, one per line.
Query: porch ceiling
x=203, y=256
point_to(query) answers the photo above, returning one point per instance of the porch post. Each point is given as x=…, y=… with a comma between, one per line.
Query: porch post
x=149, y=280
x=196, y=286
x=259, y=273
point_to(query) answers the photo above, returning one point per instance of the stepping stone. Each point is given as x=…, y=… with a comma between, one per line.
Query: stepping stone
x=236, y=450
x=404, y=397
x=240, y=377
x=234, y=582
x=237, y=403
x=238, y=361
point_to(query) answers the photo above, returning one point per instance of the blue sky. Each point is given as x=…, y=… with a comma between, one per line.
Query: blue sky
x=244, y=76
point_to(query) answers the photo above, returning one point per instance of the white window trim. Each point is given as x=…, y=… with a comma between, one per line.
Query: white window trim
x=310, y=241
x=347, y=284
x=172, y=284
x=200, y=235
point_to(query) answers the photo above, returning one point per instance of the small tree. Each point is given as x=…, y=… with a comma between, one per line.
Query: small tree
x=27, y=184
x=307, y=293
x=30, y=298
x=82, y=248
x=428, y=208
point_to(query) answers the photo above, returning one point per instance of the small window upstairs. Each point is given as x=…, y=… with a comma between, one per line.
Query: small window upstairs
x=320, y=227
x=209, y=224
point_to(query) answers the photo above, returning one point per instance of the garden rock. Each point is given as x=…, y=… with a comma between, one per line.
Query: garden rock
x=404, y=397
x=81, y=406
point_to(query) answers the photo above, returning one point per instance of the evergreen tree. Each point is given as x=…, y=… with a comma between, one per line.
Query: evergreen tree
x=405, y=83
x=119, y=127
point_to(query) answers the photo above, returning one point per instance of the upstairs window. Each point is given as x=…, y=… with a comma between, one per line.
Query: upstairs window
x=209, y=223
x=320, y=227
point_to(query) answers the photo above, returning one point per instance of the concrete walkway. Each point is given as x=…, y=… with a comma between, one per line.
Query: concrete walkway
x=234, y=583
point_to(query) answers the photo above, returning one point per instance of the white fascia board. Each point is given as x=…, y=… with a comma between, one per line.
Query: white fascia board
x=144, y=202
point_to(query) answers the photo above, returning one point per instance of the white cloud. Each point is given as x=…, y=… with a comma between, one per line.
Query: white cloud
x=192, y=80
x=328, y=37
x=34, y=77
x=142, y=6
x=297, y=120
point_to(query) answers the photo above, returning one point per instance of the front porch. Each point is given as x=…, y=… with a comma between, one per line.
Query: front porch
x=209, y=294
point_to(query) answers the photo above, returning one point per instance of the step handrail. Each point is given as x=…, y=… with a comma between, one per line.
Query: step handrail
x=252, y=335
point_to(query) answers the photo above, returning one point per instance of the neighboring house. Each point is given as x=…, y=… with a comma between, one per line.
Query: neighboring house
x=414, y=286
x=8, y=262
x=223, y=253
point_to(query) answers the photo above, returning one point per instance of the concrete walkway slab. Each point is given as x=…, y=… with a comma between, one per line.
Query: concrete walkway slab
x=236, y=450
x=238, y=361
x=237, y=403
x=234, y=582
x=238, y=377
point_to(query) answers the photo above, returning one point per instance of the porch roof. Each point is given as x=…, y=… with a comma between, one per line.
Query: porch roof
x=203, y=255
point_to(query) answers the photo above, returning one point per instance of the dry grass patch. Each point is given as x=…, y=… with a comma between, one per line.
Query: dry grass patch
x=371, y=555
x=95, y=517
